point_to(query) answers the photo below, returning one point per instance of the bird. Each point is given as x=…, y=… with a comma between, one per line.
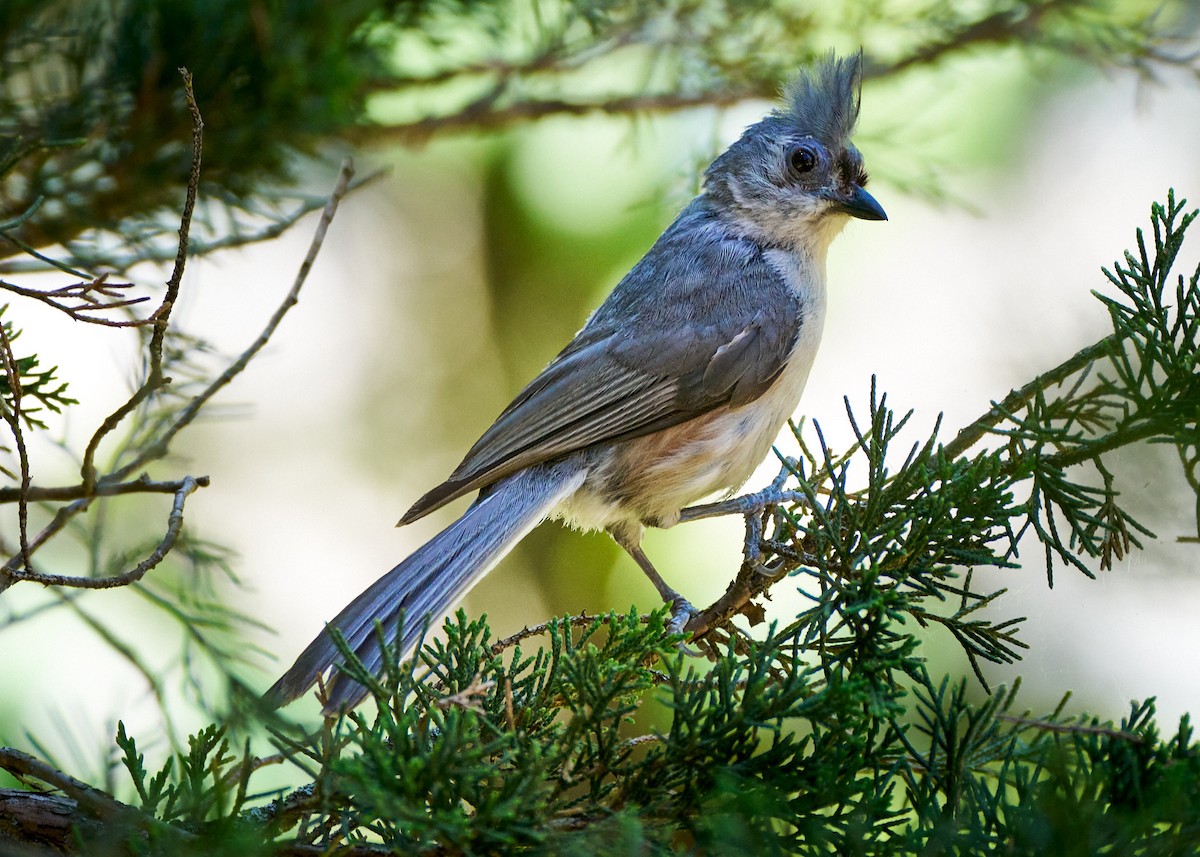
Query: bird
x=673, y=391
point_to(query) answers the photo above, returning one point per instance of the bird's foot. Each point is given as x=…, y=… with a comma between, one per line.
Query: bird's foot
x=682, y=613
x=750, y=504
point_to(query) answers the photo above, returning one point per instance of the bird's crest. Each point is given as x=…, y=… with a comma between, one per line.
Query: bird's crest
x=822, y=101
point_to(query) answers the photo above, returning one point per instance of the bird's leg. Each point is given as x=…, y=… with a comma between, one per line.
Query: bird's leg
x=748, y=504
x=681, y=608
x=754, y=508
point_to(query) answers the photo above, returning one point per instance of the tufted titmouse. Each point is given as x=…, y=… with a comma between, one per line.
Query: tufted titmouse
x=675, y=388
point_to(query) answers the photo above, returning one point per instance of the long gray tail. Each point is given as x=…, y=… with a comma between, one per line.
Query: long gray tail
x=431, y=580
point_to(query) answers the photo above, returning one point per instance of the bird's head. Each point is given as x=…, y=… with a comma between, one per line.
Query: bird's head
x=793, y=178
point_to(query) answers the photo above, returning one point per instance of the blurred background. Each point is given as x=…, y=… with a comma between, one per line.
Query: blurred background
x=1012, y=170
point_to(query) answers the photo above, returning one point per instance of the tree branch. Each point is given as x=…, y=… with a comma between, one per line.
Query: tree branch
x=185, y=417
x=12, y=416
x=96, y=802
x=174, y=525
x=141, y=485
x=161, y=316
x=1023, y=25
x=1071, y=728
x=1014, y=401
x=84, y=291
x=41, y=821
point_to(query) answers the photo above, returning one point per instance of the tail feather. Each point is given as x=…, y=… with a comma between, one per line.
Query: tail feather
x=432, y=579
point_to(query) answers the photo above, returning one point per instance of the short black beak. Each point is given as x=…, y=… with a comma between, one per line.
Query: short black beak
x=860, y=204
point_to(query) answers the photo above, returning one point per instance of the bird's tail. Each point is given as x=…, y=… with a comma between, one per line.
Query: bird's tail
x=430, y=580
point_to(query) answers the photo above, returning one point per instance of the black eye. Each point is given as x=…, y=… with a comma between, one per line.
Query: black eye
x=801, y=159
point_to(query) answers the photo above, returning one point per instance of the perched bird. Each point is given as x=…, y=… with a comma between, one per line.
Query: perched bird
x=674, y=390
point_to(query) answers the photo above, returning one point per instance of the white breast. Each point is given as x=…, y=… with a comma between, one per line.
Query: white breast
x=714, y=453
x=756, y=426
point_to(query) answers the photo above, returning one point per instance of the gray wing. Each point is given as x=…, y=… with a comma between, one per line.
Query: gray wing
x=713, y=327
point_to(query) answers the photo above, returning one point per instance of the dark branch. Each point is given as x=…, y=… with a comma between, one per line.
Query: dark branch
x=85, y=293
x=185, y=417
x=96, y=802
x=174, y=525
x=12, y=416
x=161, y=316
x=143, y=485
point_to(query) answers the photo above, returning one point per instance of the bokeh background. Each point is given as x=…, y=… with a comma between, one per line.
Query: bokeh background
x=1009, y=179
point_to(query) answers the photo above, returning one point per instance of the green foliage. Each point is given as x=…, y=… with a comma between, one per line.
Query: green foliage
x=35, y=385
x=1144, y=389
x=470, y=751
x=192, y=803
x=95, y=125
x=900, y=544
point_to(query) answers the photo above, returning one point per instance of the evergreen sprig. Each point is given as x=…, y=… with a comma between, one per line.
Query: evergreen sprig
x=39, y=388
x=473, y=751
x=825, y=735
x=903, y=541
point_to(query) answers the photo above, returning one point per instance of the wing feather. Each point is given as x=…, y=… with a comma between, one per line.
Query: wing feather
x=718, y=333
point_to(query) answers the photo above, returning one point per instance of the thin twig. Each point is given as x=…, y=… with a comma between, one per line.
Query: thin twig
x=582, y=620
x=174, y=524
x=113, y=482
x=998, y=28
x=141, y=485
x=637, y=741
x=161, y=316
x=1072, y=728
x=467, y=697
x=12, y=416
x=971, y=434
x=83, y=291
x=185, y=417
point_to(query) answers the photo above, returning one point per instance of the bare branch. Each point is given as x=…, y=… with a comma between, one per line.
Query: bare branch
x=96, y=802
x=85, y=292
x=174, y=525
x=112, y=483
x=161, y=316
x=1071, y=728
x=12, y=416
x=142, y=485
x=185, y=417
x=44, y=823
x=580, y=621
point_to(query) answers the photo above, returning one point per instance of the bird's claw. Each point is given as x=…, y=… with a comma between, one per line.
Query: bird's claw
x=682, y=612
x=772, y=570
